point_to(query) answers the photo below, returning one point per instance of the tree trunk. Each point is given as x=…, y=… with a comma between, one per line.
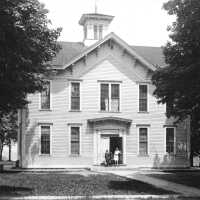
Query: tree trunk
x=191, y=158
x=1, y=149
x=9, y=146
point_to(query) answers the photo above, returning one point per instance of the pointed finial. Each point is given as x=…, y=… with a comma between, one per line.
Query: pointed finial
x=96, y=7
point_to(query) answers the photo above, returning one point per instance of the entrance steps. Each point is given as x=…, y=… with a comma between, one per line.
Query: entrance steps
x=111, y=168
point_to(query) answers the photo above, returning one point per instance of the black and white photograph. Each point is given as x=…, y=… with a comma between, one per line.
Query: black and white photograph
x=99, y=99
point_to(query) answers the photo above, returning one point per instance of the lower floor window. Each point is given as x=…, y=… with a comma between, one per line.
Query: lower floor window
x=170, y=140
x=75, y=140
x=45, y=139
x=143, y=141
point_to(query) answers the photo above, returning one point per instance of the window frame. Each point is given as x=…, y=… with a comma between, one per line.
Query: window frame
x=148, y=138
x=80, y=91
x=40, y=139
x=110, y=83
x=80, y=140
x=40, y=98
x=139, y=98
x=165, y=139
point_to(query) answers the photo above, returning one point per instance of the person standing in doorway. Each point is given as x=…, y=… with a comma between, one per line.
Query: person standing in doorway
x=116, y=156
x=107, y=157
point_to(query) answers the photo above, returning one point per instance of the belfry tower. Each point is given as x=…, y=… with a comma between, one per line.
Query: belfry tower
x=95, y=26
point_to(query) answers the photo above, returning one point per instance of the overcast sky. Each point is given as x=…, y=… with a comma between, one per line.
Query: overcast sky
x=138, y=22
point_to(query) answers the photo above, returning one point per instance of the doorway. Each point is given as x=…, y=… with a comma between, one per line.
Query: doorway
x=116, y=142
x=110, y=143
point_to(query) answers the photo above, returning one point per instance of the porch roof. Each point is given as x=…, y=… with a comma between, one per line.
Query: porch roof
x=117, y=119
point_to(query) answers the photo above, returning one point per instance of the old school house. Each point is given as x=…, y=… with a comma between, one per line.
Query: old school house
x=101, y=98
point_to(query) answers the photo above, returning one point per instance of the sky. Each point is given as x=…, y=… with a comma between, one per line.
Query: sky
x=138, y=22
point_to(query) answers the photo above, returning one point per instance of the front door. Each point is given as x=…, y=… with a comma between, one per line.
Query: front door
x=116, y=142
x=105, y=145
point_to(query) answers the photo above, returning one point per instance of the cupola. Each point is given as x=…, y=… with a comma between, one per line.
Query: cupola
x=95, y=27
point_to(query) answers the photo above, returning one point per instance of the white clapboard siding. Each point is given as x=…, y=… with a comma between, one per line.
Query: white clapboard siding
x=107, y=64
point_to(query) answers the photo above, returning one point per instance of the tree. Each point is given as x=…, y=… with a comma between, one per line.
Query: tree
x=178, y=84
x=27, y=44
x=8, y=130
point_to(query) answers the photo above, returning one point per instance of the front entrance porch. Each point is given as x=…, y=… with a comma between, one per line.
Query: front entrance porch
x=109, y=142
x=109, y=134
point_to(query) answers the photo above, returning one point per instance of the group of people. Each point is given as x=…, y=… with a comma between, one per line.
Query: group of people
x=110, y=157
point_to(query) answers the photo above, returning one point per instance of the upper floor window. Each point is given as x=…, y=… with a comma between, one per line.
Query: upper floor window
x=45, y=96
x=75, y=140
x=95, y=32
x=45, y=139
x=143, y=141
x=170, y=140
x=75, y=96
x=110, y=97
x=142, y=98
x=100, y=32
x=85, y=32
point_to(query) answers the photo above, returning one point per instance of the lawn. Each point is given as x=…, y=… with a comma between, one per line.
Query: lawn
x=186, y=178
x=21, y=184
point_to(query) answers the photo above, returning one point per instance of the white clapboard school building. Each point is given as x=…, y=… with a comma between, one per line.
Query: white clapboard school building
x=101, y=98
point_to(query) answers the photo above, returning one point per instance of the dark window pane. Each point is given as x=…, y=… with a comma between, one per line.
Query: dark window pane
x=143, y=105
x=75, y=103
x=45, y=139
x=143, y=141
x=105, y=97
x=85, y=31
x=95, y=32
x=143, y=148
x=115, y=97
x=45, y=97
x=75, y=140
x=115, y=91
x=100, y=32
x=75, y=96
x=143, y=98
x=170, y=140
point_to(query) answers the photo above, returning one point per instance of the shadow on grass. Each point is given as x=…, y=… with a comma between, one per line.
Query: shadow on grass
x=13, y=191
x=138, y=187
x=191, y=179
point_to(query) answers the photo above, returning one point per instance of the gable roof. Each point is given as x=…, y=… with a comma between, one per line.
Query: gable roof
x=152, y=54
x=73, y=51
x=69, y=50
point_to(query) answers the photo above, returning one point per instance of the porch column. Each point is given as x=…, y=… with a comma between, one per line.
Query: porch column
x=95, y=147
x=124, y=145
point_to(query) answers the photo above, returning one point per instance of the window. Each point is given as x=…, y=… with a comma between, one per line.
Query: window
x=110, y=97
x=142, y=98
x=100, y=32
x=115, y=97
x=45, y=97
x=45, y=139
x=170, y=140
x=105, y=97
x=85, y=31
x=143, y=141
x=75, y=96
x=95, y=32
x=75, y=140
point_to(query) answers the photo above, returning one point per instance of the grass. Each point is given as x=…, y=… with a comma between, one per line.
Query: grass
x=185, y=178
x=22, y=184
